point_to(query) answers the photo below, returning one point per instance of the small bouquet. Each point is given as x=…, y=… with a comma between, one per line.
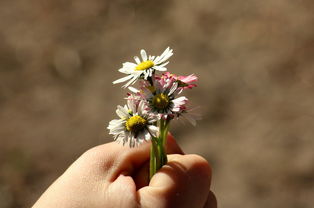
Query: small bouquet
x=151, y=107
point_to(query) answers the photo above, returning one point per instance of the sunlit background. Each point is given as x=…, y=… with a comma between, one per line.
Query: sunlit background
x=255, y=61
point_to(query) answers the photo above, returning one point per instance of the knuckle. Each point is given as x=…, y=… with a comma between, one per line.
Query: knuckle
x=91, y=153
x=97, y=157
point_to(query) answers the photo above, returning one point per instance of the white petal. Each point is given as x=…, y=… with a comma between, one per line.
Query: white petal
x=177, y=92
x=129, y=64
x=158, y=68
x=137, y=59
x=123, y=79
x=122, y=112
x=147, y=136
x=178, y=103
x=141, y=107
x=127, y=137
x=126, y=70
x=117, y=130
x=173, y=88
x=153, y=130
x=152, y=118
x=163, y=64
x=146, y=74
x=133, y=89
x=121, y=138
x=115, y=121
x=114, y=124
x=164, y=56
x=132, y=105
x=144, y=55
x=180, y=100
x=135, y=77
x=132, y=141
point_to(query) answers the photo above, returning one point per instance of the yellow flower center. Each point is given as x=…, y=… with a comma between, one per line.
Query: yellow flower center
x=135, y=124
x=161, y=101
x=144, y=65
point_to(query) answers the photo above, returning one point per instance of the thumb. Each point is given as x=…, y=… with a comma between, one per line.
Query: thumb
x=183, y=182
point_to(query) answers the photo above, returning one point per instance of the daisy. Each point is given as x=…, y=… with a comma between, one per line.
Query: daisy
x=135, y=125
x=144, y=68
x=162, y=98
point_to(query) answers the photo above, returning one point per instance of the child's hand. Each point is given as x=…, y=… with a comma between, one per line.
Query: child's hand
x=111, y=175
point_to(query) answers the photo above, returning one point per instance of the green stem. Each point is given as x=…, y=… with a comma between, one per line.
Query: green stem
x=153, y=158
x=164, y=127
x=158, y=155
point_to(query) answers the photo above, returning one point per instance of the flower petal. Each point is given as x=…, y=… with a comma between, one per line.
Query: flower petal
x=137, y=59
x=144, y=55
x=123, y=79
x=122, y=112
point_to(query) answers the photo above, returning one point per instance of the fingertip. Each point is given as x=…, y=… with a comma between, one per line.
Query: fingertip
x=201, y=166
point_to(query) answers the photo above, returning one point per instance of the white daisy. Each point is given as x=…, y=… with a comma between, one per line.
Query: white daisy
x=144, y=68
x=162, y=99
x=135, y=124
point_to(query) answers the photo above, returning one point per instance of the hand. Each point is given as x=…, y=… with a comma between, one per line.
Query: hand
x=111, y=175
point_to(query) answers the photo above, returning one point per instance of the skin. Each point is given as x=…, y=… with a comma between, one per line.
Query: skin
x=111, y=175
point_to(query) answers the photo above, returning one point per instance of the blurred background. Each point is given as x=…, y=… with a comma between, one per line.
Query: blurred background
x=256, y=67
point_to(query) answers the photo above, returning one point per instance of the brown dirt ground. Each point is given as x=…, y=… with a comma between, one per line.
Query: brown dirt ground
x=256, y=67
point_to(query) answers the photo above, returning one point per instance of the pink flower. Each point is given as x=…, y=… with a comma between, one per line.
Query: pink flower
x=184, y=82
